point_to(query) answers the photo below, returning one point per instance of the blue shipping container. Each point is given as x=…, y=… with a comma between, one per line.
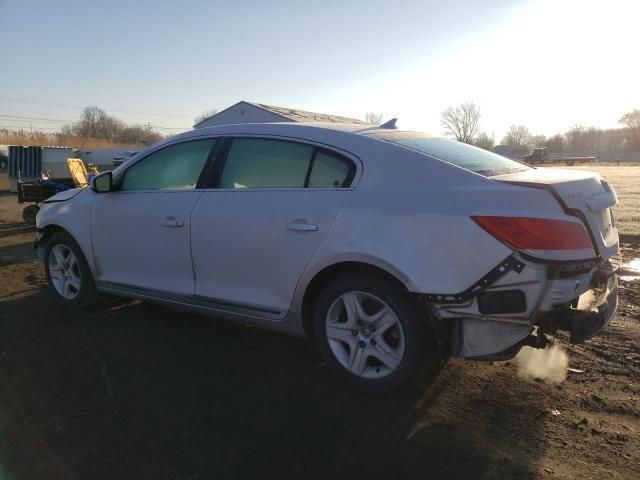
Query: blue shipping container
x=25, y=160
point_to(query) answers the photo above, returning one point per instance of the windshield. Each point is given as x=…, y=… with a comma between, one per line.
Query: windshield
x=457, y=153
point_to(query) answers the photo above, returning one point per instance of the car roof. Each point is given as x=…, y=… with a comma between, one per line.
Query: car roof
x=277, y=126
x=336, y=134
x=301, y=129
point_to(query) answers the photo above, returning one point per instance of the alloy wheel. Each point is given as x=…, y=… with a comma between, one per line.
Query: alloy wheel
x=64, y=271
x=365, y=335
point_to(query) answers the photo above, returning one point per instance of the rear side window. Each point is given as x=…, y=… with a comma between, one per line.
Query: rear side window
x=460, y=154
x=176, y=167
x=268, y=163
x=258, y=163
x=328, y=171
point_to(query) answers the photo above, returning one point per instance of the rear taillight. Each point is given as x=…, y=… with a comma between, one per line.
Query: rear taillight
x=539, y=234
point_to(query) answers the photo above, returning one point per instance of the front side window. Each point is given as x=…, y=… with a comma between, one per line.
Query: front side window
x=176, y=167
x=265, y=163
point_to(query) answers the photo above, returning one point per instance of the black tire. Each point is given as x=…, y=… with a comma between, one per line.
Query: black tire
x=87, y=294
x=419, y=342
x=29, y=214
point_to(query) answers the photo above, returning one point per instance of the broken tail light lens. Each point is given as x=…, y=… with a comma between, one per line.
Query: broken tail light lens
x=523, y=233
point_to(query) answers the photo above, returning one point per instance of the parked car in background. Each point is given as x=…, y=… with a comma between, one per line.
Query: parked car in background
x=386, y=247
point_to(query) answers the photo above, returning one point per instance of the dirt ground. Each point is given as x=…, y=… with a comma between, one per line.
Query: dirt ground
x=131, y=390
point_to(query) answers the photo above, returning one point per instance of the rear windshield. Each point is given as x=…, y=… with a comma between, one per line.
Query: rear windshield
x=461, y=154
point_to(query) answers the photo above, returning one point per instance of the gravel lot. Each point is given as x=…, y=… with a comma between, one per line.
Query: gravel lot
x=134, y=390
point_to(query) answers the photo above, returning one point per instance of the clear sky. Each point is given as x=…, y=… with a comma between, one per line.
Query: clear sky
x=548, y=64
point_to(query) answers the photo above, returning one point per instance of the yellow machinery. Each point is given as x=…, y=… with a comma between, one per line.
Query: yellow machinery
x=37, y=191
x=79, y=172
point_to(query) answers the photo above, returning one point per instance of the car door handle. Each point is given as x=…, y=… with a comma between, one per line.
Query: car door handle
x=172, y=222
x=302, y=227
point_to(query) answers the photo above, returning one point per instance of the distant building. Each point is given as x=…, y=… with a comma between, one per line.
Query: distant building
x=247, y=112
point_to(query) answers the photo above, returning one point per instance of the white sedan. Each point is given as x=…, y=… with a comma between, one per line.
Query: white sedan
x=387, y=247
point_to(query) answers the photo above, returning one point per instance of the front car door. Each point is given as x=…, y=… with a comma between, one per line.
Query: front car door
x=141, y=231
x=271, y=205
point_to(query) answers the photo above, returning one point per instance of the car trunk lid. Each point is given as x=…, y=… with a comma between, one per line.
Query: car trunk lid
x=583, y=194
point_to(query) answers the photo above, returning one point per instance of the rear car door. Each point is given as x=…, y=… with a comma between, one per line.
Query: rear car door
x=141, y=231
x=271, y=205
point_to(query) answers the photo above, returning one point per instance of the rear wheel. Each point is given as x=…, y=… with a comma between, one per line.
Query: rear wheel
x=371, y=332
x=68, y=273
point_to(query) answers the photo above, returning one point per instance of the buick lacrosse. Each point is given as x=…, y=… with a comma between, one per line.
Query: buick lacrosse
x=388, y=248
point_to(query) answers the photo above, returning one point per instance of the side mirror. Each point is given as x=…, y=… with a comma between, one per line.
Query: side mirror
x=102, y=183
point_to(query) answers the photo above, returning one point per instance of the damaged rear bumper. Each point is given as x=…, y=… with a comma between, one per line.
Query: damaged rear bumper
x=579, y=298
x=599, y=306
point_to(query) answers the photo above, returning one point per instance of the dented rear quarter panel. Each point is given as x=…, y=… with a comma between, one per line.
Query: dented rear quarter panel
x=414, y=222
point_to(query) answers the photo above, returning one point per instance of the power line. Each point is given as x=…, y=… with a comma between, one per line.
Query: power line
x=37, y=127
x=77, y=107
x=27, y=127
x=21, y=118
x=43, y=119
x=18, y=123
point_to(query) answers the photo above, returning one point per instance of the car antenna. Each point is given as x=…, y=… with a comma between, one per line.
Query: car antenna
x=389, y=124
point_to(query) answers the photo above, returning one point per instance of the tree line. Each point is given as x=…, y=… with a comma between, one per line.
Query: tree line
x=95, y=123
x=94, y=129
x=462, y=122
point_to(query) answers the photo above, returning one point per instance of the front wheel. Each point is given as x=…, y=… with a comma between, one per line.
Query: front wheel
x=68, y=273
x=371, y=332
x=29, y=214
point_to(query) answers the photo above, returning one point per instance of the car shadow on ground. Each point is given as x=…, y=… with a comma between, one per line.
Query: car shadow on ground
x=11, y=229
x=16, y=254
x=134, y=390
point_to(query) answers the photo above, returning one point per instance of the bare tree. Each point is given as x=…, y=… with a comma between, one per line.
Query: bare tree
x=373, y=118
x=517, y=135
x=538, y=140
x=461, y=121
x=485, y=141
x=582, y=139
x=95, y=123
x=632, y=121
x=206, y=114
x=138, y=134
x=555, y=144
